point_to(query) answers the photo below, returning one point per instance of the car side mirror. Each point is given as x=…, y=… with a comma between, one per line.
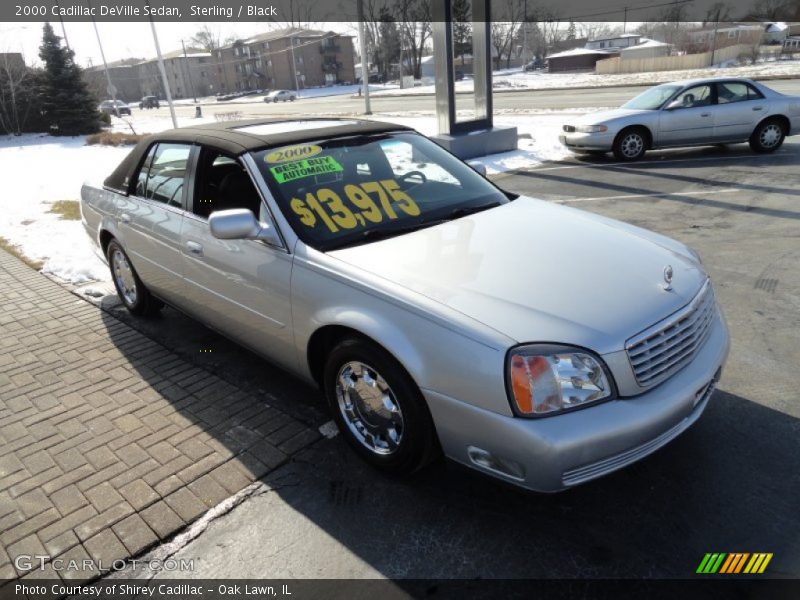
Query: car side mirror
x=674, y=104
x=241, y=224
x=478, y=166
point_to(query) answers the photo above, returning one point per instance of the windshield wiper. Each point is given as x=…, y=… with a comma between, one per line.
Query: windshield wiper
x=463, y=211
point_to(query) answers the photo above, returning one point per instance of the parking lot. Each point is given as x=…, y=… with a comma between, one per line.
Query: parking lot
x=729, y=484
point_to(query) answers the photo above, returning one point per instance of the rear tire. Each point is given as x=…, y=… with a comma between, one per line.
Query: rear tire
x=130, y=289
x=768, y=136
x=630, y=144
x=378, y=407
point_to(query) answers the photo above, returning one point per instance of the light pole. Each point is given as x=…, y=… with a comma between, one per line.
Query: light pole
x=111, y=89
x=294, y=65
x=161, y=68
x=362, y=39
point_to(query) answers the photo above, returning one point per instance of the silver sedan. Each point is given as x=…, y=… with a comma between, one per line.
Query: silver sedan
x=688, y=113
x=533, y=342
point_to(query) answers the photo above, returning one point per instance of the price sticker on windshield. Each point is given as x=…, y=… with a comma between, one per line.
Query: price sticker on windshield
x=367, y=203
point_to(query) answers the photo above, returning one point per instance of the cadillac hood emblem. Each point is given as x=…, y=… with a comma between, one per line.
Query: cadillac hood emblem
x=667, y=285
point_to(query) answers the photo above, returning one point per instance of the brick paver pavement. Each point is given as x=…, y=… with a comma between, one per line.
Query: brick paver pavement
x=108, y=441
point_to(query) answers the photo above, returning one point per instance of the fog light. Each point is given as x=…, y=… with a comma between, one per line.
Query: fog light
x=502, y=466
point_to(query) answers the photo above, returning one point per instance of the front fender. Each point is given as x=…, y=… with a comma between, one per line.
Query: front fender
x=436, y=356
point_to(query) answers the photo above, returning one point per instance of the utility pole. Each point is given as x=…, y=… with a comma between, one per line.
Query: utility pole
x=294, y=65
x=625, y=21
x=714, y=39
x=362, y=38
x=161, y=68
x=111, y=89
x=188, y=71
x=524, y=34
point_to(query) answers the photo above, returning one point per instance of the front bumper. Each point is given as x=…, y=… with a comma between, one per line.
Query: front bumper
x=587, y=141
x=554, y=453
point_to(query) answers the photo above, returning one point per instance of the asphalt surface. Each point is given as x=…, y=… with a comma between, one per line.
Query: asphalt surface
x=729, y=484
x=503, y=101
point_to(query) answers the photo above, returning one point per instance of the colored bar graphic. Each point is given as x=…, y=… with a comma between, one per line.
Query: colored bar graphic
x=734, y=563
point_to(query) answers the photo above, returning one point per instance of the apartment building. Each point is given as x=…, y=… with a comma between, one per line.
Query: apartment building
x=190, y=75
x=290, y=58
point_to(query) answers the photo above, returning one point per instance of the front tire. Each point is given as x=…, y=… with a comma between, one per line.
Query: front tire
x=130, y=289
x=768, y=136
x=378, y=407
x=630, y=144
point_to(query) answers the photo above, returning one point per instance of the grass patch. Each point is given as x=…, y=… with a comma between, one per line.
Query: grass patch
x=68, y=209
x=11, y=249
x=109, y=138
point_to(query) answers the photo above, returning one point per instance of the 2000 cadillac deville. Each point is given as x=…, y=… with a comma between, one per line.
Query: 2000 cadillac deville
x=540, y=344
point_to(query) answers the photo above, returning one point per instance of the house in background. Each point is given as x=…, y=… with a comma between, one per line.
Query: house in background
x=577, y=59
x=646, y=49
x=727, y=34
x=626, y=45
x=624, y=40
x=775, y=33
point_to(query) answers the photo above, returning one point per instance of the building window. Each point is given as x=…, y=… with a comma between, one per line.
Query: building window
x=299, y=60
x=265, y=45
x=732, y=34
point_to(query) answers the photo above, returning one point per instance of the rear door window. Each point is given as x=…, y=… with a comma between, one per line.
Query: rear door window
x=163, y=175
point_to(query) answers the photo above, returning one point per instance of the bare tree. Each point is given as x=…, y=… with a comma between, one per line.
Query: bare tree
x=15, y=77
x=503, y=34
x=774, y=10
x=414, y=18
x=207, y=38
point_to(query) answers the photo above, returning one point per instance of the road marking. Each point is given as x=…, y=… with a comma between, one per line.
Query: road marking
x=660, y=162
x=663, y=195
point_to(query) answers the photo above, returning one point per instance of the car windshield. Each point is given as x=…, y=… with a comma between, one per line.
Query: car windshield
x=653, y=98
x=352, y=190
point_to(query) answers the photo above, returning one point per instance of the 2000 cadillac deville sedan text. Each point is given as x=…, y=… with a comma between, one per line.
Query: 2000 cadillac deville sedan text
x=537, y=343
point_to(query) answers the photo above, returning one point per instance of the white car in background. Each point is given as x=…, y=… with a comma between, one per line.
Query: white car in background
x=280, y=96
x=697, y=112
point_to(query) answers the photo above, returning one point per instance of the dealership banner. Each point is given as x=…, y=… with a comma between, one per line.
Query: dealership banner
x=416, y=10
x=387, y=589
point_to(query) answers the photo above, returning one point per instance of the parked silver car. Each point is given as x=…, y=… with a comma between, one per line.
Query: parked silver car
x=280, y=96
x=688, y=113
x=537, y=343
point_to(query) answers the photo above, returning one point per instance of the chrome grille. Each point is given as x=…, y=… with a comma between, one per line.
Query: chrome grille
x=664, y=348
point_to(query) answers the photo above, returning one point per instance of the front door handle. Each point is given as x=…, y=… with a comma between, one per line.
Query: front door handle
x=705, y=114
x=125, y=218
x=758, y=108
x=195, y=248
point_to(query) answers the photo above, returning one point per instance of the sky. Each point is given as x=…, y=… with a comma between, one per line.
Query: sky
x=126, y=40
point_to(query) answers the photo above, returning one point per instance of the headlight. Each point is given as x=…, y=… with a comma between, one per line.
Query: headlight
x=546, y=379
x=591, y=128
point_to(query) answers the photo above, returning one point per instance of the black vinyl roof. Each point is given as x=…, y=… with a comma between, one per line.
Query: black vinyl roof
x=230, y=137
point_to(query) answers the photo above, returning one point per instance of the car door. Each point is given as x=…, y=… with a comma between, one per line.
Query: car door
x=239, y=287
x=150, y=219
x=739, y=107
x=688, y=118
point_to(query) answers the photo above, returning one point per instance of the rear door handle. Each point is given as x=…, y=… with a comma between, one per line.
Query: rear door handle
x=125, y=218
x=195, y=248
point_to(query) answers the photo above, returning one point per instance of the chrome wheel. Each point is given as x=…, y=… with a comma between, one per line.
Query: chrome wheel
x=770, y=135
x=369, y=408
x=632, y=145
x=123, y=277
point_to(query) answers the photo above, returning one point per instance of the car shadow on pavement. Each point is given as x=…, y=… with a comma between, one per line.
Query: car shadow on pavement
x=675, y=197
x=728, y=484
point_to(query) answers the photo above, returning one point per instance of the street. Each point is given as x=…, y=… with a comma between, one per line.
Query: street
x=503, y=101
x=728, y=484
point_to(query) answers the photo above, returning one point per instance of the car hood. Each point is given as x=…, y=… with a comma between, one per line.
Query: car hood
x=536, y=271
x=605, y=116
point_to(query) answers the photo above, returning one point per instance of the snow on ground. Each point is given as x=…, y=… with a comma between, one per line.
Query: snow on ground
x=333, y=90
x=38, y=170
x=538, y=80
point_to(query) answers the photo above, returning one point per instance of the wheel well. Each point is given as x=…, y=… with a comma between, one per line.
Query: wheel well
x=782, y=119
x=647, y=134
x=322, y=342
x=105, y=238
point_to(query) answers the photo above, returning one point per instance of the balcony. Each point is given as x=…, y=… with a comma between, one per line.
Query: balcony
x=329, y=48
x=331, y=66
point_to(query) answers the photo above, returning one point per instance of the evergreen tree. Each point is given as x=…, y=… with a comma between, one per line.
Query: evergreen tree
x=66, y=103
x=571, y=31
